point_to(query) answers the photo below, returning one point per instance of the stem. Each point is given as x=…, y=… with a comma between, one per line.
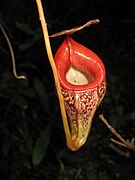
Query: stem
x=123, y=142
x=51, y=60
x=12, y=55
x=73, y=30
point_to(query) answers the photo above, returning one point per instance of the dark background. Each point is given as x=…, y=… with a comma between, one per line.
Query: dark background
x=31, y=133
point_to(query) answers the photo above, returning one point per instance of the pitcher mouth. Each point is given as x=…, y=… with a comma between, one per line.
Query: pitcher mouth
x=89, y=66
x=77, y=77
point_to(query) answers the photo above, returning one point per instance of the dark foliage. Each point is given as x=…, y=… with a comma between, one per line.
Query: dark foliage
x=31, y=133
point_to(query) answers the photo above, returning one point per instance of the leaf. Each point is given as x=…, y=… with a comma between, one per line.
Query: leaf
x=119, y=110
x=24, y=27
x=114, y=79
x=41, y=146
x=21, y=102
x=91, y=176
x=25, y=46
x=29, y=92
x=103, y=176
x=39, y=87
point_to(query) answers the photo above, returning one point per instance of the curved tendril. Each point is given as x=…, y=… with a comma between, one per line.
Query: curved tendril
x=12, y=54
